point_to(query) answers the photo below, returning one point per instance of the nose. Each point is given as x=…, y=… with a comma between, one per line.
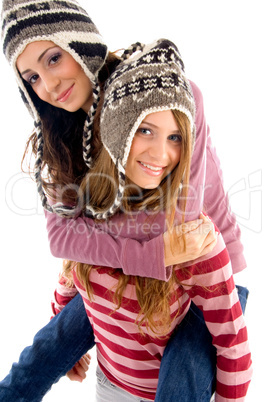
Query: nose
x=50, y=81
x=158, y=149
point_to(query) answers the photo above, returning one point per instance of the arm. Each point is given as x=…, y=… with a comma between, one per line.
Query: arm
x=212, y=289
x=62, y=296
x=216, y=204
x=80, y=240
x=206, y=187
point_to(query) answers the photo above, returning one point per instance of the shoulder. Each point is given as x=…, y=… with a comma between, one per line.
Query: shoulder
x=218, y=258
x=200, y=120
x=213, y=269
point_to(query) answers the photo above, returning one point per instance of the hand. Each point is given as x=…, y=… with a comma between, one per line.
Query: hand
x=189, y=241
x=78, y=372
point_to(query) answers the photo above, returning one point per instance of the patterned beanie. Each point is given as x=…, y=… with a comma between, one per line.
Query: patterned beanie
x=67, y=25
x=152, y=80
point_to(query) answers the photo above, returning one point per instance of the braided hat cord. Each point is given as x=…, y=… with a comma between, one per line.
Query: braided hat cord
x=88, y=127
x=68, y=25
x=152, y=80
x=38, y=169
x=132, y=49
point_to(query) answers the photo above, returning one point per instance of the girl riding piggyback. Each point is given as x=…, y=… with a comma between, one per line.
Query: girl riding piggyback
x=140, y=179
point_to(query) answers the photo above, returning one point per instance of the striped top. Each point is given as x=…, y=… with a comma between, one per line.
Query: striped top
x=131, y=360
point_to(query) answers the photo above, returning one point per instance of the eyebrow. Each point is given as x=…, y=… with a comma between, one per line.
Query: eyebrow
x=148, y=123
x=39, y=59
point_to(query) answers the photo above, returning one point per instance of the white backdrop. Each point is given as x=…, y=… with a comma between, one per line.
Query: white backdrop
x=223, y=45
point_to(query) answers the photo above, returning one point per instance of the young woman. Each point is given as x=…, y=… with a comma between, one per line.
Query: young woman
x=147, y=129
x=58, y=145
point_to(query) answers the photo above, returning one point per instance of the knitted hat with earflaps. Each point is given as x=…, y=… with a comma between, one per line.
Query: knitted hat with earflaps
x=67, y=25
x=152, y=80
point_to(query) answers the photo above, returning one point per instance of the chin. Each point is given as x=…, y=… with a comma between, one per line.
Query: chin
x=150, y=186
x=70, y=109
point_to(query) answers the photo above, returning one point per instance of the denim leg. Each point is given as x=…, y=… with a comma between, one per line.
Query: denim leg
x=108, y=392
x=243, y=296
x=188, y=367
x=55, y=350
x=68, y=336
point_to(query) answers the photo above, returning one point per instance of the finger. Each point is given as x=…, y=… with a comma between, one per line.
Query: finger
x=205, y=218
x=200, y=232
x=188, y=226
x=83, y=362
x=87, y=357
x=205, y=228
x=73, y=376
x=212, y=235
x=200, y=238
x=208, y=249
x=80, y=371
x=210, y=243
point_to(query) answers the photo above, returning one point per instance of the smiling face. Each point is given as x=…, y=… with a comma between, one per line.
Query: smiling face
x=155, y=150
x=55, y=76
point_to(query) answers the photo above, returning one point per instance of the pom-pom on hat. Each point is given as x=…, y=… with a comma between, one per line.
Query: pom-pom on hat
x=150, y=79
x=67, y=25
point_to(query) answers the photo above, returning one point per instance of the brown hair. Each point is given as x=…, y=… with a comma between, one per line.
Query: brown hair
x=153, y=296
x=63, y=163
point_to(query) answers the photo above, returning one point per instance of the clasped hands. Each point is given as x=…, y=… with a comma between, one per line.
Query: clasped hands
x=189, y=241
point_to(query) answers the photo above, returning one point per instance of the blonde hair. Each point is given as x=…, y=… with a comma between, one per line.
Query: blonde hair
x=153, y=295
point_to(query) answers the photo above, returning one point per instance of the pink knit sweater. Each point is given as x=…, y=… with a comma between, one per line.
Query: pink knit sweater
x=83, y=240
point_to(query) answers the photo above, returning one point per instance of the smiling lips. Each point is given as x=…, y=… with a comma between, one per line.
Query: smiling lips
x=150, y=169
x=65, y=95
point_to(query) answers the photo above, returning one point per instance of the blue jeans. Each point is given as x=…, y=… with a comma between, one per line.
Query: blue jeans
x=106, y=391
x=187, y=370
x=188, y=366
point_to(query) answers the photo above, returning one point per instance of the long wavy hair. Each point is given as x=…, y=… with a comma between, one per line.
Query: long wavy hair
x=154, y=296
x=63, y=163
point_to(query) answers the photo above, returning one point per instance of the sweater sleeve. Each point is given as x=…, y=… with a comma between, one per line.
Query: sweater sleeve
x=210, y=285
x=207, y=189
x=62, y=296
x=80, y=240
x=216, y=205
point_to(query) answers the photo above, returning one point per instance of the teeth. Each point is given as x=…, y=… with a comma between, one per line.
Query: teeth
x=156, y=169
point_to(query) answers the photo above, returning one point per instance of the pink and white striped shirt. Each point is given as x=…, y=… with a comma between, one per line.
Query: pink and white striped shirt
x=131, y=360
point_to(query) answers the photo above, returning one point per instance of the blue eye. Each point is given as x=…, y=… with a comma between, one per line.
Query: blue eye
x=144, y=131
x=175, y=138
